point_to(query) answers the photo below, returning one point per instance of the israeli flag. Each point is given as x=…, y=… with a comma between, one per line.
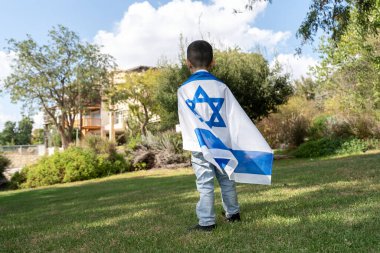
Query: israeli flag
x=213, y=122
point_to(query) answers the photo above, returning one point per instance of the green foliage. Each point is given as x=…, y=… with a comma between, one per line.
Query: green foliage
x=335, y=16
x=38, y=136
x=319, y=127
x=172, y=76
x=169, y=141
x=328, y=146
x=73, y=164
x=140, y=166
x=349, y=73
x=4, y=163
x=18, y=178
x=48, y=170
x=55, y=138
x=65, y=74
x=20, y=134
x=134, y=142
x=138, y=92
x=257, y=88
x=289, y=127
x=7, y=136
x=24, y=131
x=79, y=164
x=98, y=144
x=305, y=87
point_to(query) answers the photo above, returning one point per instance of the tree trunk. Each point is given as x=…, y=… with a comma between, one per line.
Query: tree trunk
x=65, y=141
x=112, y=126
x=64, y=132
x=146, y=120
x=80, y=123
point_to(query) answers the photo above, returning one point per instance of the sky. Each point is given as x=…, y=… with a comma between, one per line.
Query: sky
x=145, y=32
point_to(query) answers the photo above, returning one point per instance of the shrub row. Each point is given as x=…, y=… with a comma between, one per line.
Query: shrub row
x=73, y=164
x=336, y=146
x=302, y=119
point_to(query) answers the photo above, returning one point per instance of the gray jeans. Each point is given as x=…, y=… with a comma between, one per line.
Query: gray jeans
x=205, y=172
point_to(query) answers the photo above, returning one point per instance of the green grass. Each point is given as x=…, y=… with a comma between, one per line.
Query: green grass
x=329, y=205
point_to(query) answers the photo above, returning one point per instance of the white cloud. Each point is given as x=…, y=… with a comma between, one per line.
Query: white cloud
x=297, y=66
x=145, y=34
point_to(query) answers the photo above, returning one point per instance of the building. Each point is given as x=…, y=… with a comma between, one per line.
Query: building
x=101, y=120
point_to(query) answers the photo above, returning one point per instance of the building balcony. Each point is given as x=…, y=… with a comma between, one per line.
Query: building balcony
x=89, y=123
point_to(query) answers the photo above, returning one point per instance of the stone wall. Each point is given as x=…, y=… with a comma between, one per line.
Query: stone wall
x=18, y=162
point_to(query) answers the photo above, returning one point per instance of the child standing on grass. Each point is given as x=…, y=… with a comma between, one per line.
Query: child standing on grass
x=208, y=111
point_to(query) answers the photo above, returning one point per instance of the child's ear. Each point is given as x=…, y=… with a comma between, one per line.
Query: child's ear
x=188, y=63
x=212, y=64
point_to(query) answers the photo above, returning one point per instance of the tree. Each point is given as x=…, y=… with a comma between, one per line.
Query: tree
x=334, y=16
x=24, y=131
x=258, y=89
x=348, y=78
x=139, y=92
x=60, y=77
x=349, y=75
x=305, y=87
x=8, y=135
x=38, y=136
x=166, y=96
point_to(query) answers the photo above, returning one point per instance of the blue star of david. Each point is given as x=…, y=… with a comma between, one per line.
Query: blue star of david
x=215, y=104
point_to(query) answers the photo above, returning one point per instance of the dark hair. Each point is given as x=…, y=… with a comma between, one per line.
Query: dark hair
x=199, y=53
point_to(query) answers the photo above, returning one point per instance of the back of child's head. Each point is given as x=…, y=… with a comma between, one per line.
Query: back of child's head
x=200, y=54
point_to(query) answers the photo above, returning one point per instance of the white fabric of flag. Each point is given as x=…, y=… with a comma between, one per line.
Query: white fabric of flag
x=213, y=122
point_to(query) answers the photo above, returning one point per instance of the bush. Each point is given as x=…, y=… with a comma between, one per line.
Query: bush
x=329, y=146
x=73, y=164
x=47, y=171
x=98, y=144
x=18, y=179
x=134, y=143
x=319, y=128
x=109, y=161
x=114, y=164
x=79, y=164
x=289, y=127
x=4, y=163
x=166, y=141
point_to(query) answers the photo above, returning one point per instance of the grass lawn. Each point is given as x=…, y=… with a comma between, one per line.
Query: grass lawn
x=329, y=205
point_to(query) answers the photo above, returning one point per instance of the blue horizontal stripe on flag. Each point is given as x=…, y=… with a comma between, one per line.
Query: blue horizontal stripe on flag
x=202, y=75
x=253, y=162
x=250, y=162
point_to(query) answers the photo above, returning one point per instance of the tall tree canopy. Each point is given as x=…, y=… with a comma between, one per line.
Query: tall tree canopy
x=24, y=131
x=138, y=92
x=17, y=134
x=334, y=16
x=8, y=135
x=60, y=77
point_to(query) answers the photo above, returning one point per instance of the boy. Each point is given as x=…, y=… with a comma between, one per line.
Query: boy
x=209, y=111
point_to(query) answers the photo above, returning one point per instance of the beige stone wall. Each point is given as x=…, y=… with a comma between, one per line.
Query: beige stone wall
x=19, y=161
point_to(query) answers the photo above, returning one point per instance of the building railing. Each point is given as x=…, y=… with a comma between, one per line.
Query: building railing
x=88, y=122
x=22, y=149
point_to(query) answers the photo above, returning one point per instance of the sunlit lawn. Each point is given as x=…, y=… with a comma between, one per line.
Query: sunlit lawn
x=312, y=206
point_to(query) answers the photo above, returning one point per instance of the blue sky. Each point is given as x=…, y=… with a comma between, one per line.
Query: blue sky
x=127, y=29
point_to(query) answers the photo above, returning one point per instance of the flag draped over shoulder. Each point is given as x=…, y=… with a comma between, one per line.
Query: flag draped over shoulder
x=213, y=122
